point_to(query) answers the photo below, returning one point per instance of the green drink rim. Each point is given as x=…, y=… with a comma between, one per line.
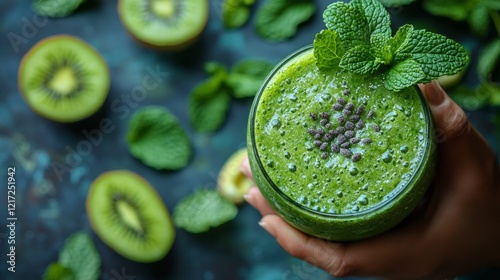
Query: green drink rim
x=381, y=205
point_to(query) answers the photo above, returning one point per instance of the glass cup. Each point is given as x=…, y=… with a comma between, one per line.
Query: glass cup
x=342, y=226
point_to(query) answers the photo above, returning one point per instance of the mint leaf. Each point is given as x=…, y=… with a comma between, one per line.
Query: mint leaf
x=492, y=93
x=157, y=139
x=328, y=49
x=247, y=77
x=378, y=18
x=277, y=20
x=215, y=68
x=378, y=41
x=436, y=54
x=202, y=210
x=396, y=3
x=56, y=8
x=488, y=59
x=456, y=10
x=479, y=20
x=57, y=271
x=235, y=13
x=402, y=38
x=360, y=60
x=403, y=75
x=349, y=22
x=80, y=256
x=469, y=99
x=208, y=104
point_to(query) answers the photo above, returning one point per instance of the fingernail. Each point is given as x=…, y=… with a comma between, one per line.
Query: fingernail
x=435, y=93
x=266, y=226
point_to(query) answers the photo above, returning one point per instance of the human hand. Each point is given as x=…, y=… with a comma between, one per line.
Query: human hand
x=454, y=231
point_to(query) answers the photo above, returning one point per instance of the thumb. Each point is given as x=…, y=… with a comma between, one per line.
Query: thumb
x=450, y=120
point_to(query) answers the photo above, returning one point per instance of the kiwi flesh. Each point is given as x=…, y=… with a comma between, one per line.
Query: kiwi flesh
x=164, y=24
x=129, y=216
x=232, y=184
x=64, y=79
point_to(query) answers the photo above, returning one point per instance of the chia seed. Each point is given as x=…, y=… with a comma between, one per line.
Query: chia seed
x=346, y=92
x=349, y=106
x=341, y=119
x=376, y=128
x=347, y=112
x=337, y=107
x=341, y=139
x=324, y=115
x=317, y=143
x=341, y=129
x=323, y=146
x=313, y=116
x=317, y=136
x=354, y=140
x=328, y=137
x=311, y=131
x=370, y=114
x=356, y=157
x=323, y=122
x=349, y=125
x=366, y=141
x=360, y=110
x=335, y=148
x=324, y=155
x=345, y=152
x=328, y=125
x=345, y=145
x=360, y=124
x=349, y=134
x=333, y=133
x=341, y=101
x=320, y=131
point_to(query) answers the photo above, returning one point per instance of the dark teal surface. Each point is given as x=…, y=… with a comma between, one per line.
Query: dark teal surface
x=49, y=209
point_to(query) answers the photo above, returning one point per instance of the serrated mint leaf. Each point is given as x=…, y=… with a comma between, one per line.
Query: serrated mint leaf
x=378, y=18
x=202, y=210
x=328, y=49
x=235, y=13
x=80, y=256
x=488, y=59
x=378, y=41
x=349, y=22
x=436, y=54
x=404, y=74
x=57, y=271
x=156, y=138
x=56, y=8
x=277, y=20
x=396, y=3
x=247, y=76
x=360, y=60
x=208, y=104
x=401, y=38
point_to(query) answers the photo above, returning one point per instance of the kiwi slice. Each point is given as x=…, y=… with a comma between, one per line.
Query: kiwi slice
x=129, y=216
x=232, y=184
x=164, y=24
x=63, y=79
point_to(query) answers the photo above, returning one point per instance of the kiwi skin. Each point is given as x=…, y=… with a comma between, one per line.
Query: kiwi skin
x=167, y=48
x=34, y=49
x=144, y=183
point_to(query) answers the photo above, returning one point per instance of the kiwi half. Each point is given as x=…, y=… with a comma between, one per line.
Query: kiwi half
x=129, y=216
x=232, y=183
x=63, y=79
x=164, y=24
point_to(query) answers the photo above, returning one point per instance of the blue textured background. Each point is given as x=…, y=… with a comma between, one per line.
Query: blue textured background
x=49, y=209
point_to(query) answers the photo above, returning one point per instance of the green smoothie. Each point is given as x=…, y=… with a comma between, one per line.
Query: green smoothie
x=336, y=154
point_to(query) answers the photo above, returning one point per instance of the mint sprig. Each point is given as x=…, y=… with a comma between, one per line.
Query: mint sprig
x=361, y=30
